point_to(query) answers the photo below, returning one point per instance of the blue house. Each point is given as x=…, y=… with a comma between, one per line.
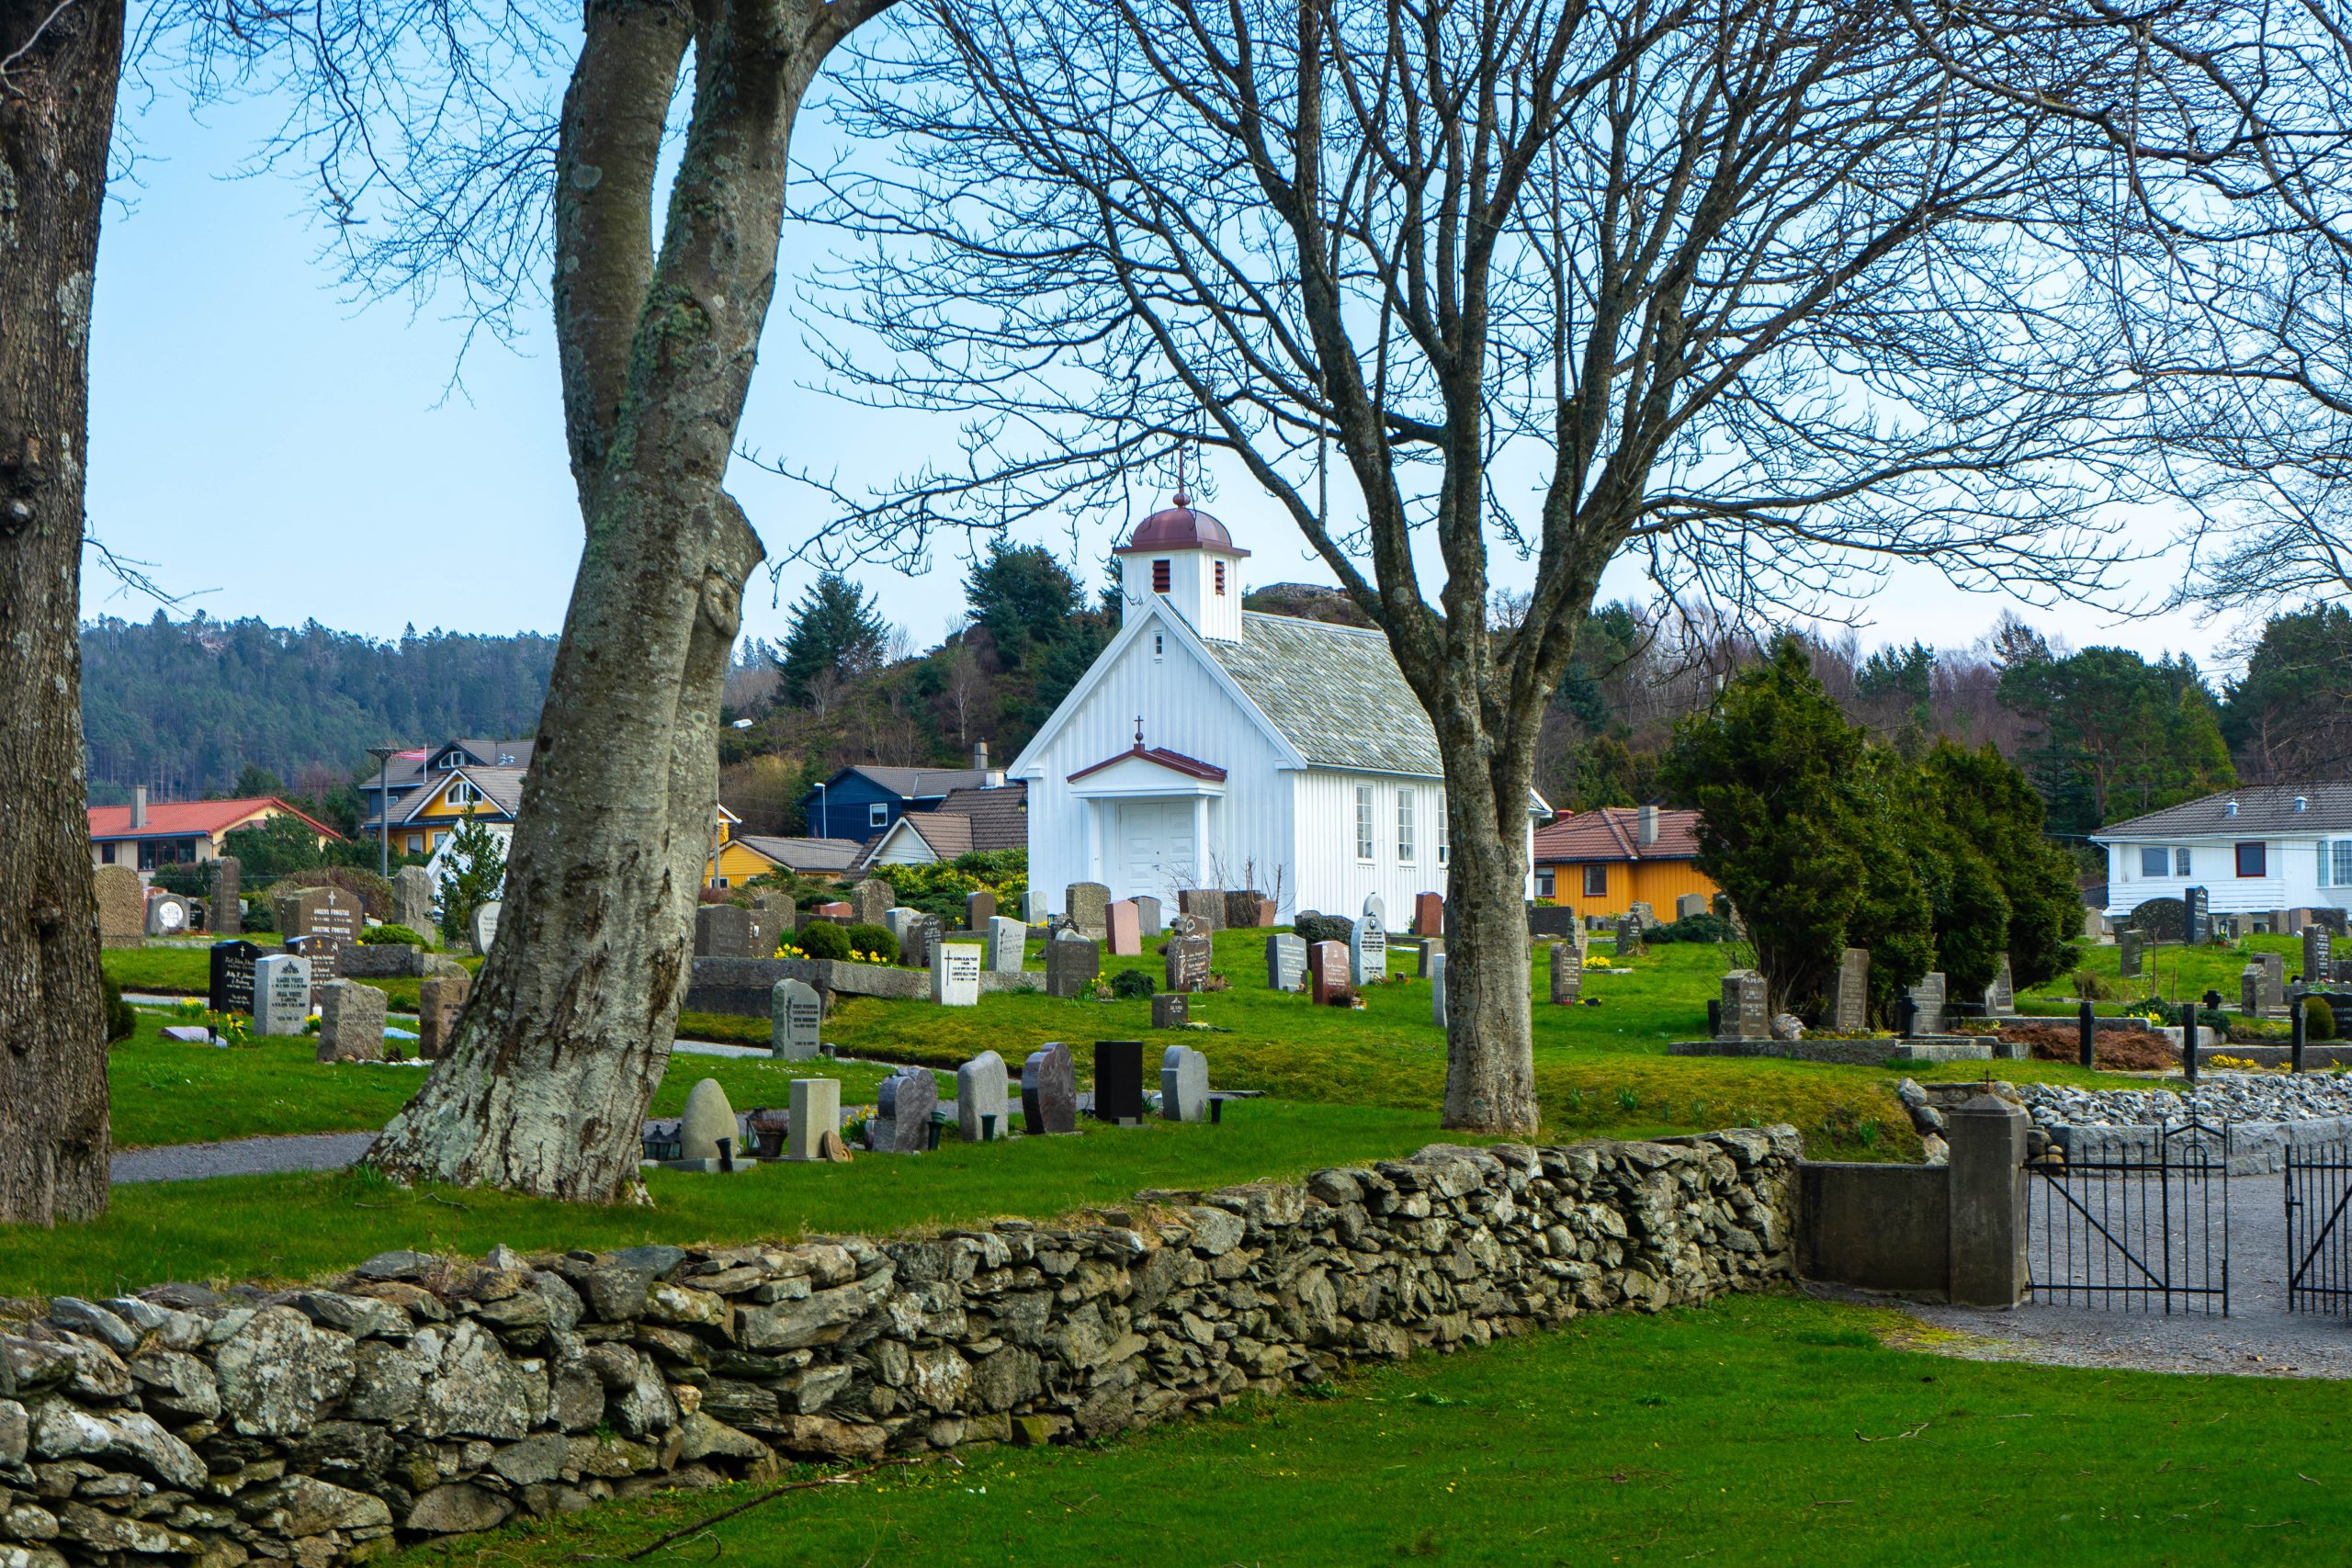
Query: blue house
x=859, y=802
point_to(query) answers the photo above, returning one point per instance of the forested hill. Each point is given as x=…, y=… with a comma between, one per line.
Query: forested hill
x=186, y=706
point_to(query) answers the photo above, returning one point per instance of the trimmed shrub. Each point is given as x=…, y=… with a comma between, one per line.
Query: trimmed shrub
x=1132, y=984
x=373, y=892
x=1314, y=928
x=2319, y=1019
x=390, y=935
x=874, y=942
x=823, y=939
x=122, y=1018
x=1692, y=928
x=2160, y=920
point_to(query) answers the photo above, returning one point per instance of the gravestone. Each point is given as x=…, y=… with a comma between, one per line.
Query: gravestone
x=323, y=911
x=1367, y=952
x=840, y=911
x=1285, y=962
x=412, y=898
x=1689, y=904
x=1084, y=903
x=1148, y=919
x=1428, y=914
x=1567, y=974
x=1643, y=914
x=1375, y=910
x=225, y=908
x=903, y=1105
x=1426, y=952
x=870, y=899
x=2269, y=970
x=709, y=1118
x=1188, y=963
x=325, y=956
x=1124, y=924
x=231, y=983
x=921, y=940
x=2128, y=952
x=484, y=925
x=1746, y=1010
x=2196, y=919
x=122, y=908
x=1629, y=936
x=796, y=1015
x=2251, y=996
x=351, y=1022
x=1118, y=1080
x=1048, y=1091
x=167, y=914
x=1327, y=970
x=896, y=920
x=1928, y=1004
x=2001, y=993
x=979, y=909
x=1007, y=940
x=816, y=1106
x=1170, y=1010
x=1184, y=1085
x=281, y=994
x=1247, y=908
x=1071, y=964
x=1437, y=991
x=2319, y=955
x=955, y=974
x=1204, y=905
x=724, y=930
x=1849, y=992
x=982, y=1112
x=439, y=1001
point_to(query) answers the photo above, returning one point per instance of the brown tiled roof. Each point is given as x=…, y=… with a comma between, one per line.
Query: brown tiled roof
x=1614, y=832
x=803, y=854
x=999, y=815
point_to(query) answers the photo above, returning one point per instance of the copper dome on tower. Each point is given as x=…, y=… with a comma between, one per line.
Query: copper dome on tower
x=1179, y=527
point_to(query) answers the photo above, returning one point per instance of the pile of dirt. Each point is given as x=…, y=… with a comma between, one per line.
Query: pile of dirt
x=2119, y=1050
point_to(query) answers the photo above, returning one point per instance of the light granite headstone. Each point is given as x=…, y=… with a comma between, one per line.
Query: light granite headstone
x=1124, y=924
x=1189, y=958
x=439, y=1001
x=870, y=900
x=1008, y=939
x=2001, y=994
x=1205, y=905
x=2251, y=996
x=1147, y=916
x=1689, y=904
x=897, y=919
x=1747, y=1013
x=485, y=925
x=2127, y=944
x=709, y=1118
x=1184, y=1085
x=1644, y=913
x=1285, y=962
x=1849, y=992
x=955, y=974
x=1425, y=951
x=816, y=1106
x=122, y=908
x=903, y=1105
x=1050, y=1090
x=1367, y=951
x=1928, y=1004
x=1567, y=972
x=225, y=910
x=1375, y=910
x=412, y=898
x=1327, y=970
x=921, y=940
x=1071, y=964
x=724, y=930
x=1171, y=1010
x=1437, y=990
x=167, y=914
x=351, y=1022
x=1086, y=904
x=281, y=994
x=982, y=1100
x=795, y=1014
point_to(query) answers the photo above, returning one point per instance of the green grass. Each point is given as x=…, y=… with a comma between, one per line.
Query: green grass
x=2175, y=973
x=301, y=1226
x=1730, y=1434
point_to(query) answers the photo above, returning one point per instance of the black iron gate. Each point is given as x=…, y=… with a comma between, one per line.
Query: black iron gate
x=2319, y=1228
x=2135, y=1219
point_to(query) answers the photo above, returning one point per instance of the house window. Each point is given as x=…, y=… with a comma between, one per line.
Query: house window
x=2180, y=862
x=1158, y=644
x=2341, y=876
x=1159, y=577
x=1595, y=882
x=2156, y=861
x=462, y=795
x=416, y=843
x=1543, y=884
x=1405, y=827
x=1444, y=837
x=878, y=814
x=1220, y=579
x=1363, y=822
x=720, y=882
x=2251, y=861
x=105, y=854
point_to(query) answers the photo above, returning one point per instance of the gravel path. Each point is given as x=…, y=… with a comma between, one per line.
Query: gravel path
x=241, y=1156
x=2260, y=1337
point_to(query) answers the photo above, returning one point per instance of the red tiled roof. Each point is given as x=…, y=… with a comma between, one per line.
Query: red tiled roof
x=186, y=818
x=1614, y=832
x=1175, y=762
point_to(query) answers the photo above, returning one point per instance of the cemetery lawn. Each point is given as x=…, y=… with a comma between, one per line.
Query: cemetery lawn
x=1768, y=1428
x=2174, y=971
x=301, y=1226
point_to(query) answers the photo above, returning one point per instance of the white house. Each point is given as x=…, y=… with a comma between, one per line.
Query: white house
x=2255, y=851
x=1211, y=747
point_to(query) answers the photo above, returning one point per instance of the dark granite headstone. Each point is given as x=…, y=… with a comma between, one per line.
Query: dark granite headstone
x=1629, y=935
x=1118, y=1080
x=1246, y=909
x=323, y=911
x=1188, y=963
x=1567, y=972
x=724, y=930
x=979, y=909
x=1747, y=1011
x=1849, y=992
x=2127, y=953
x=326, y=954
x=225, y=910
x=232, y=982
x=1071, y=964
x=1170, y=1010
x=2319, y=954
x=1050, y=1090
x=1927, y=1005
x=2197, y=905
x=1204, y=904
x=1285, y=962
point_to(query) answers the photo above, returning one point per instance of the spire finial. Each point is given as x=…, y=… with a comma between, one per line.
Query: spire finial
x=1183, y=497
x=1138, y=732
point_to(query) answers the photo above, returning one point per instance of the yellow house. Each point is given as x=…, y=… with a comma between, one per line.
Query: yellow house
x=421, y=820
x=1604, y=862
x=738, y=859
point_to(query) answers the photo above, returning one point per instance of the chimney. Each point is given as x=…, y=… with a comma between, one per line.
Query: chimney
x=992, y=778
x=138, y=807
x=2302, y=803
x=1648, y=835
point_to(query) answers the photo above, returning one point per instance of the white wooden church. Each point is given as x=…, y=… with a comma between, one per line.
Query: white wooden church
x=1214, y=747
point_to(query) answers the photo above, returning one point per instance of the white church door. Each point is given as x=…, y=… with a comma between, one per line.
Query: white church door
x=1156, y=853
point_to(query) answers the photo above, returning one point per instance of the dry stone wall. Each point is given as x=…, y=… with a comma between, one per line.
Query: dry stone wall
x=421, y=1395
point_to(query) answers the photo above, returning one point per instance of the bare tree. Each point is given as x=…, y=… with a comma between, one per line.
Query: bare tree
x=58, y=65
x=1747, y=292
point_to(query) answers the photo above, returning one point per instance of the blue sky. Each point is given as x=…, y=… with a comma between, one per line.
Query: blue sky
x=274, y=449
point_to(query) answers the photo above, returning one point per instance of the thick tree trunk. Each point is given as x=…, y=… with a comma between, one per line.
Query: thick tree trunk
x=57, y=92
x=1490, y=1043
x=546, y=1081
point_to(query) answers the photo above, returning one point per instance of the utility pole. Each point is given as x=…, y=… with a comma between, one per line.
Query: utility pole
x=383, y=755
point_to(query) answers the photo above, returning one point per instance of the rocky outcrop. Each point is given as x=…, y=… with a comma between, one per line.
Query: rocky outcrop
x=420, y=1396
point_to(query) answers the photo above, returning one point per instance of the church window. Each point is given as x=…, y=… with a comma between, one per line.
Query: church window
x=1160, y=579
x=1220, y=579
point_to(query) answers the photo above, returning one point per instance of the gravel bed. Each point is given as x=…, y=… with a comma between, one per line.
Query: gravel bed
x=2219, y=1097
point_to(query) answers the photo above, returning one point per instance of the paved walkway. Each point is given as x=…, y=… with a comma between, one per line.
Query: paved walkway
x=241, y=1156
